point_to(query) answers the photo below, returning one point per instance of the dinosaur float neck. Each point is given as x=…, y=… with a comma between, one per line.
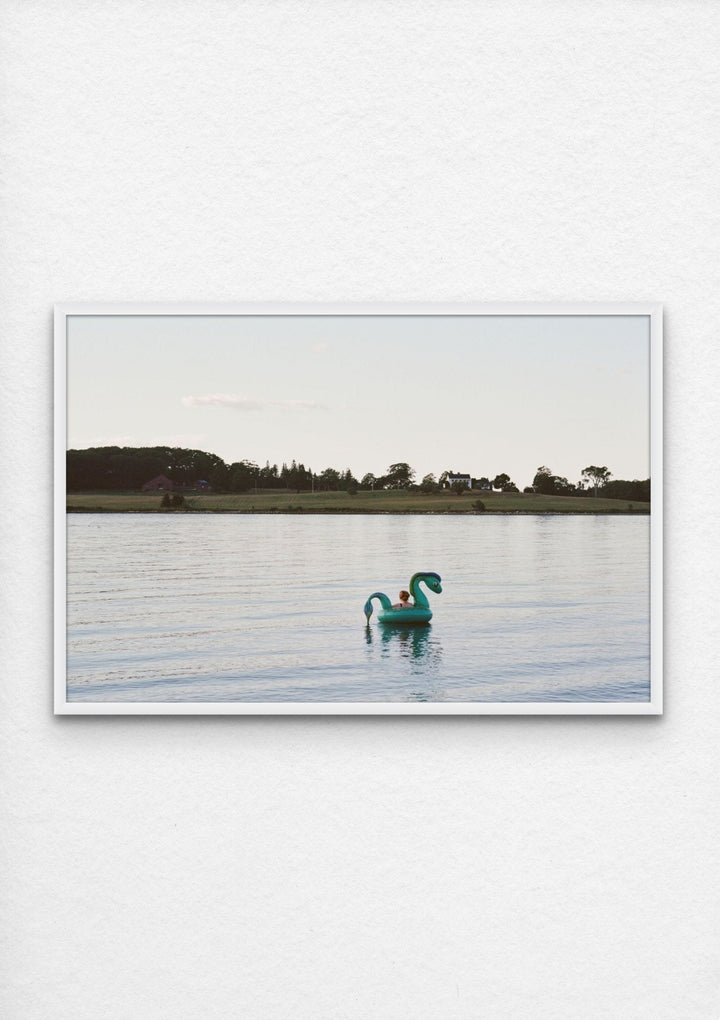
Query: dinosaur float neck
x=418, y=595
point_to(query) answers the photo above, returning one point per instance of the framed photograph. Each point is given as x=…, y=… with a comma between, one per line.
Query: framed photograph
x=358, y=509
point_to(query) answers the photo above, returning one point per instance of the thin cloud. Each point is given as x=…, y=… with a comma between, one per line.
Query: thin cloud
x=223, y=400
x=101, y=441
x=239, y=403
x=298, y=405
x=187, y=440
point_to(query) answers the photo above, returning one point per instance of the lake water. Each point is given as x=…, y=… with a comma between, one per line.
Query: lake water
x=247, y=608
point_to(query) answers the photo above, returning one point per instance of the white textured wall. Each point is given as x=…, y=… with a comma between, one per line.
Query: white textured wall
x=500, y=868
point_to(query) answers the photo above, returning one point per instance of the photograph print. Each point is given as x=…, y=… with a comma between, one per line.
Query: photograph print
x=337, y=509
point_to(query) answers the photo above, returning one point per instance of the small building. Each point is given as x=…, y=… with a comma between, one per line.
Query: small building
x=160, y=484
x=465, y=479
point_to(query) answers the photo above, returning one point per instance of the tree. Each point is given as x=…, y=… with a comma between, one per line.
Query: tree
x=428, y=484
x=305, y=477
x=349, y=482
x=620, y=488
x=296, y=477
x=503, y=482
x=399, y=476
x=289, y=476
x=330, y=479
x=368, y=481
x=563, y=487
x=544, y=481
x=242, y=475
x=130, y=467
x=458, y=487
x=186, y=467
x=219, y=478
x=548, y=484
x=597, y=475
x=87, y=469
x=269, y=476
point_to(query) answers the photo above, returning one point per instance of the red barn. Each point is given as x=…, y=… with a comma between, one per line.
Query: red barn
x=160, y=484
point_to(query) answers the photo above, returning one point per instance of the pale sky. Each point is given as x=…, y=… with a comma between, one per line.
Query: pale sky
x=476, y=394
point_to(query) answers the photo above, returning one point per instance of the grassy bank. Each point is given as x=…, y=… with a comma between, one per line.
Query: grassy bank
x=342, y=502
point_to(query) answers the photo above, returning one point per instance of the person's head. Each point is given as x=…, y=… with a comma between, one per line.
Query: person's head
x=404, y=596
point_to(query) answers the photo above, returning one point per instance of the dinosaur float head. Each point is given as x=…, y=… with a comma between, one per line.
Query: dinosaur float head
x=432, y=580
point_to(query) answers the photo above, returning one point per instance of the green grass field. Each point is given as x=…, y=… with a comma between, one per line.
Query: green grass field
x=341, y=502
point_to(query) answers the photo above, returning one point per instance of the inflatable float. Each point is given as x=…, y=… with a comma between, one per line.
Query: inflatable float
x=420, y=612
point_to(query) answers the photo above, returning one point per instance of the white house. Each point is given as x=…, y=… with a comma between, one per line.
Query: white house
x=465, y=479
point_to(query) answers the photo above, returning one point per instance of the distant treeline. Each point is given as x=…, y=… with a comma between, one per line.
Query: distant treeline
x=594, y=480
x=116, y=468
x=127, y=467
x=130, y=468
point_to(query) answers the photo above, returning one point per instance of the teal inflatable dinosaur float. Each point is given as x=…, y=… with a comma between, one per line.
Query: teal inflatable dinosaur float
x=420, y=612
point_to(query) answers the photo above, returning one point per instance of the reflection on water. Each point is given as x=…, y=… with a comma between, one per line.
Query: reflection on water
x=414, y=652
x=269, y=608
x=409, y=643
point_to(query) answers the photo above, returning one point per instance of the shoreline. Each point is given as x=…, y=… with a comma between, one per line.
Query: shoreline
x=367, y=513
x=386, y=502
